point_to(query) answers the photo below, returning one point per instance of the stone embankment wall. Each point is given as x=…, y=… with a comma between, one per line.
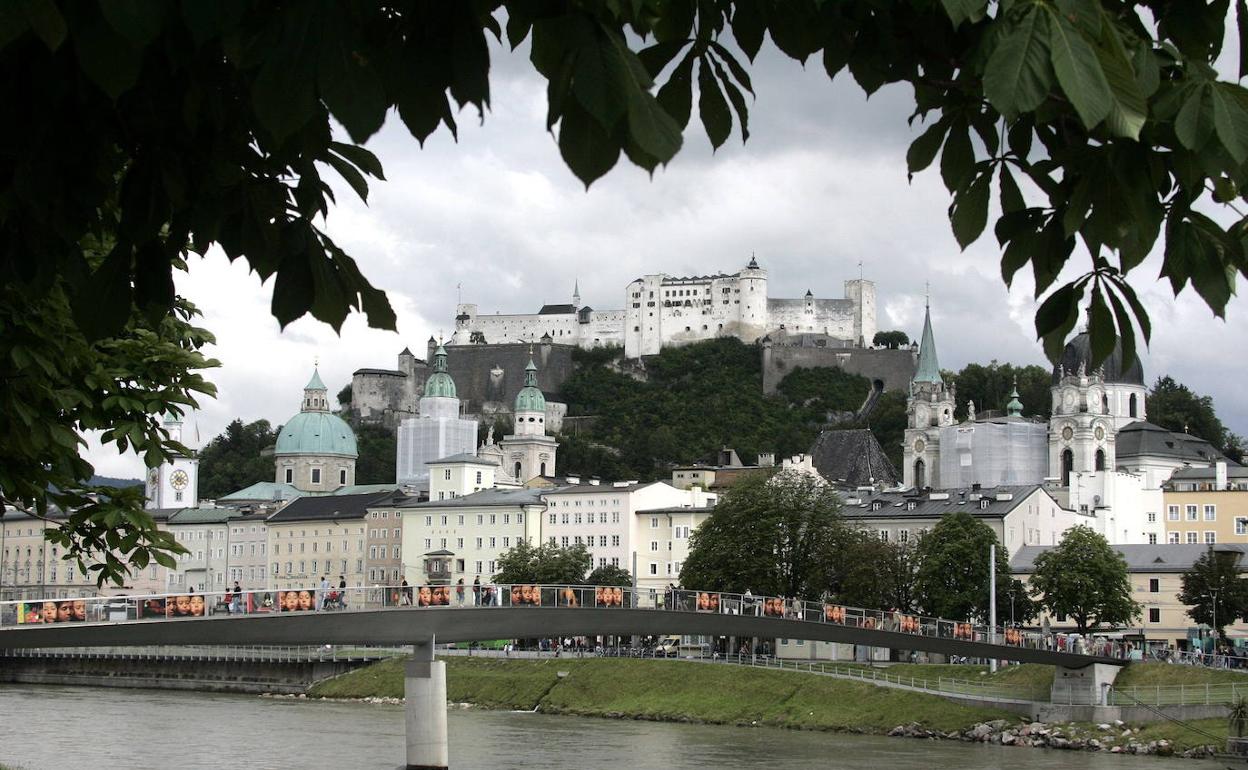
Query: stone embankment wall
x=173, y=673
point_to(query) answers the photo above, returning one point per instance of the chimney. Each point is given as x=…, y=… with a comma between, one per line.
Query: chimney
x=1219, y=475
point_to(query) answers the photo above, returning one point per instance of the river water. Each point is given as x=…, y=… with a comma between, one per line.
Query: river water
x=60, y=727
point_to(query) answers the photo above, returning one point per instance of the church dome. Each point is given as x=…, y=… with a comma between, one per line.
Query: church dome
x=1079, y=352
x=440, y=384
x=316, y=433
x=530, y=398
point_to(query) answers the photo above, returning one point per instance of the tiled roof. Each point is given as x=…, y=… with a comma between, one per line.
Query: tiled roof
x=325, y=507
x=204, y=516
x=1000, y=501
x=462, y=457
x=501, y=496
x=1142, y=438
x=852, y=457
x=1162, y=557
x=603, y=488
x=263, y=490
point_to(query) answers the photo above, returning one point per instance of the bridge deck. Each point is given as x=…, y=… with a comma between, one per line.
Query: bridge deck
x=408, y=625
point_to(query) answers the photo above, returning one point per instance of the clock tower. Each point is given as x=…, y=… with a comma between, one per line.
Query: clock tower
x=929, y=407
x=174, y=483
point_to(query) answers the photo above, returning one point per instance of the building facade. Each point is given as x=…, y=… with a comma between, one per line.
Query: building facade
x=174, y=483
x=321, y=536
x=1205, y=516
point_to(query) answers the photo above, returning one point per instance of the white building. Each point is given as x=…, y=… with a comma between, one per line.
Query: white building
x=473, y=530
x=661, y=310
x=439, y=430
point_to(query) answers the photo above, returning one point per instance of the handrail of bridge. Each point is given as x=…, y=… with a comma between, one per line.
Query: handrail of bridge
x=190, y=605
x=1207, y=694
x=233, y=653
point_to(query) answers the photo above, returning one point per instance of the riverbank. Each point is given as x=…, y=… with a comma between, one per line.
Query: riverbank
x=676, y=691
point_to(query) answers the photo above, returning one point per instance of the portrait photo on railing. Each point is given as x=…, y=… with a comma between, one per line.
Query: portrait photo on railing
x=707, y=601
x=608, y=596
x=299, y=600
x=52, y=611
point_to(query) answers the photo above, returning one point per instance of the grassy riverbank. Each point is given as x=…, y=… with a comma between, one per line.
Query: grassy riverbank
x=672, y=691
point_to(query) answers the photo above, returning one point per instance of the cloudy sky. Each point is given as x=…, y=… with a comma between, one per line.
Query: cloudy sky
x=819, y=188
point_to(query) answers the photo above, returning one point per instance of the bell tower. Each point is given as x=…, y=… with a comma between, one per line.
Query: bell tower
x=929, y=407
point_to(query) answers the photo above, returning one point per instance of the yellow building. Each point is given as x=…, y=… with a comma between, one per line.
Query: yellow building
x=1207, y=505
x=1156, y=574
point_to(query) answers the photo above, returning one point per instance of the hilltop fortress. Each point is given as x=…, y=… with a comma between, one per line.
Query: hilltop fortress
x=662, y=310
x=487, y=353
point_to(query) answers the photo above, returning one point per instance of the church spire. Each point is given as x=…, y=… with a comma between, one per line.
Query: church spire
x=314, y=394
x=576, y=293
x=928, y=369
x=1015, y=407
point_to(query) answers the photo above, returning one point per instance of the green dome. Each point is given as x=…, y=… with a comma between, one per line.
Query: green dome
x=316, y=433
x=440, y=384
x=530, y=398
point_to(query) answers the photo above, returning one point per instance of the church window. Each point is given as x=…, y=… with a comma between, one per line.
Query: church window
x=543, y=470
x=1100, y=459
x=517, y=474
x=342, y=476
x=1068, y=465
x=290, y=475
x=316, y=475
x=1132, y=406
x=920, y=474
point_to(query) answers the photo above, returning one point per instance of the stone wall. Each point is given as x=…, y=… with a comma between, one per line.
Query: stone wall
x=893, y=368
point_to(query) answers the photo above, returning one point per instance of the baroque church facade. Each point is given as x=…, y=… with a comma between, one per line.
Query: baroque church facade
x=662, y=310
x=1096, y=453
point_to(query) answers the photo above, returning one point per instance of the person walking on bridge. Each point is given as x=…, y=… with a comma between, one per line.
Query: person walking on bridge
x=342, y=591
x=236, y=598
x=459, y=592
x=476, y=591
x=320, y=603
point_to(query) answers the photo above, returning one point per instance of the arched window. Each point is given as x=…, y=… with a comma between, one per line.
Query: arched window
x=543, y=473
x=920, y=474
x=517, y=470
x=1100, y=459
x=1131, y=406
x=1104, y=403
x=1068, y=465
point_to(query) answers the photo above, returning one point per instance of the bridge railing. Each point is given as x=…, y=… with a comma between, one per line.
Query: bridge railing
x=182, y=605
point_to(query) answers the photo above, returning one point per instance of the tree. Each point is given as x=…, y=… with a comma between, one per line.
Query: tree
x=234, y=459
x=1084, y=578
x=952, y=579
x=990, y=387
x=891, y=340
x=1176, y=408
x=547, y=564
x=874, y=573
x=609, y=575
x=772, y=535
x=344, y=395
x=1215, y=586
x=377, y=461
x=163, y=129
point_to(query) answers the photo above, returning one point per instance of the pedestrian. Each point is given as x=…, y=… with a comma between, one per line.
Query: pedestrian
x=476, y=591
x=236, y=598
x=405, y=591
x=324, y=592
x=459, y=592
x=342, y=591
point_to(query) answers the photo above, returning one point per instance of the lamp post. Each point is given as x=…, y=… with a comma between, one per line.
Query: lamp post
x=1213, y=594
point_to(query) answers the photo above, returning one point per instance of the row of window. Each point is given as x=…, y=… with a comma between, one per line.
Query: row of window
x=314, y=475
x=445, y=519
x=575, y=518
x=1192, y=538
x=1192, y=512
x=328, y=565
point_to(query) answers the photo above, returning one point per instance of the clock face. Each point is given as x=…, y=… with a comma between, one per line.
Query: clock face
x=1067, y=433
x=1100, y=433
x=179, y=480
x=153, y=476
x=919, y=446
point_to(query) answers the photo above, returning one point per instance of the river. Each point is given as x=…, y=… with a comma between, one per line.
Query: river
x=59, y=727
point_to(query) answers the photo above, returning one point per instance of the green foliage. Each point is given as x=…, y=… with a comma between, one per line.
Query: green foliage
x=1085, y=579
x=1175, y=407
x=610, y=575
x=1237, y=717
x=344, y=395
x=888, y=423
x=547, y=564
x=60, y=385
x=990, y=387
x=696, y=400
x=233, y=460
x=579, y=456
x=891, y=340
x=378, y=448
x=1214, y=586
x=773, y=535
x=952, y=579
x=875, y=573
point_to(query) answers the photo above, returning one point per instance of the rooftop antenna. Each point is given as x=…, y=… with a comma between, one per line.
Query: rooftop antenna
x=860, y=269
x=459, y=295
x=927, y=293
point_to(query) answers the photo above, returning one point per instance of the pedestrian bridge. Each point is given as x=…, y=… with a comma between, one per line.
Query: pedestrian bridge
x=428, y=614
x=415, y=615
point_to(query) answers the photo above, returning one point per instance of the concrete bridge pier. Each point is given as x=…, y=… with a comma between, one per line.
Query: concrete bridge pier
x=424, y=686
x=1085, y=686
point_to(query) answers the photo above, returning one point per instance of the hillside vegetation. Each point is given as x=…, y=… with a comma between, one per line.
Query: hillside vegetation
x=699, y=398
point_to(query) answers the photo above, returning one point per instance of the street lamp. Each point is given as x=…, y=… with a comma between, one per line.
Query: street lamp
x=1213, y=594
